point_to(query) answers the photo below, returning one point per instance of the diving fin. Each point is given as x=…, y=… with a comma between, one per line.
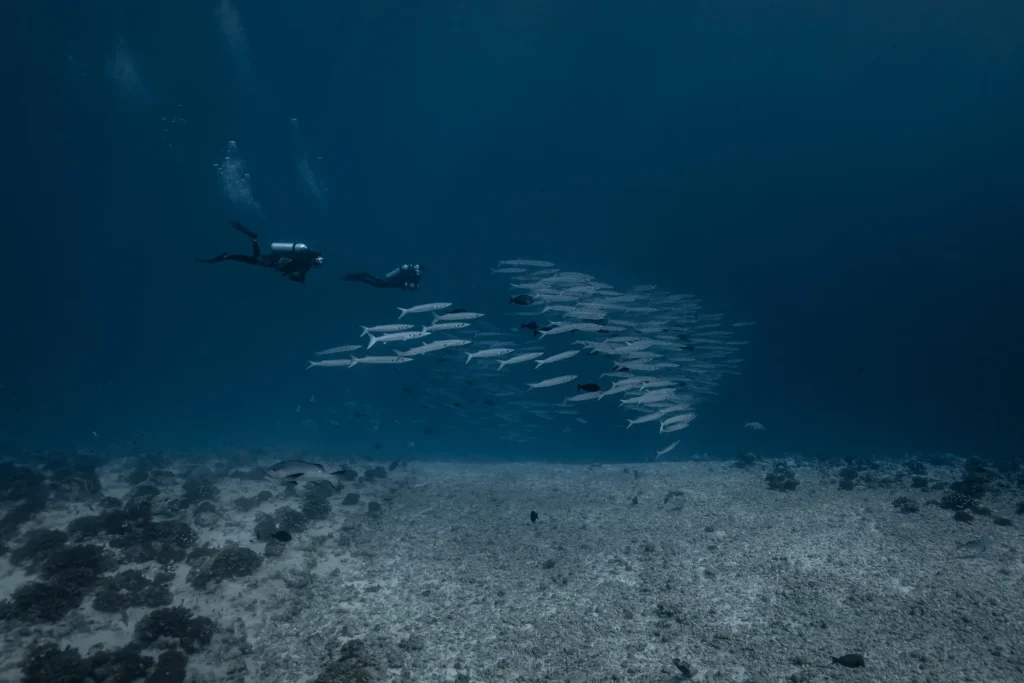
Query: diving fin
x=244, y=230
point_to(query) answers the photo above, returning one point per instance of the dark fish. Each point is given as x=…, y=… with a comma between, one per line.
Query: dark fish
x=457, y=404
x=533, y=517
x=458, y=310
x=376, y=446
x=428, y=430
x=853, y=661
x=530, y=326
x=282, y=535
x=587, y=387
x=407, y=390
x=545, y=329
x=488, y=401
x=522, y=300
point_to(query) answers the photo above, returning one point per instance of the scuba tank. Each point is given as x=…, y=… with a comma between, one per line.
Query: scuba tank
x=288, y=247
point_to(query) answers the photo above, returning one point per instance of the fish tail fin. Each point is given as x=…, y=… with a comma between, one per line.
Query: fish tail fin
x=502, y=363
x=469, y=357
x=354, y=361
x=373, y=340
x=436, y=316
x=312, y=364
x=631, y=423
x=539, y=363
x=403, y=312
x=399, y=353
x=366, y=331
x=529, y=387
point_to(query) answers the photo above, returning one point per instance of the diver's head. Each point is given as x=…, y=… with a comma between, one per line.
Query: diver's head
x=318, y=261
x=418, y=269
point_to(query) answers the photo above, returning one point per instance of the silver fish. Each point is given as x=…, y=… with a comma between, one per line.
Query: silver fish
x=296, y=471
x=385, y=329
x=396, y=337
x=433, y=346
x=423, y=308
x=343, y=363
x=338, y=349
x=379, y=360
x=522, y=358
x=488, y=353
x=553, y=382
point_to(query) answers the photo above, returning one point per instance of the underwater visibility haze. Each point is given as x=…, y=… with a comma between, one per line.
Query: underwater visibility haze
x=401, y=340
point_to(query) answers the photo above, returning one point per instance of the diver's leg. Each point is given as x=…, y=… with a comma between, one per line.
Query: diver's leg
x=242, y=258
x=216, y=259
x=371, y=280
x=244, y=230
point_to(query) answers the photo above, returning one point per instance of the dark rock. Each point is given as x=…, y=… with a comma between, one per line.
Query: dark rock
x=47, y=663
x=905, y=505
x=354, y=665
x=145, y=491
x=374, y=508
x=170, y=668
x=346, y=474
x=781, y=478
x=685, y=669
x=847, y=484
x=1020, y=508
x=971, y=485
x=1002, y=521
x=963, y=516
x=917, y=468
x=919, y=483
x=375, y=473
x=41, y=603
x=264, y=496
x=206, y=506
x=130, y=589
x=229, y=563
x=78, y=566
x=13, y=519
x=38, y=547
x=956, y=501
x=274, y=548
x=245, y=504
x=316, y=507
x=18, y=483
x=290, y=519
x=190, y=632
x=110, y=503
x=125, y=665
x=745, y=460
x=266, y=527
x=351, y=499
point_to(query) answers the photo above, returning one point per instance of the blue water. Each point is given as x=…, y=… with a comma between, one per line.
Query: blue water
x=848, y=178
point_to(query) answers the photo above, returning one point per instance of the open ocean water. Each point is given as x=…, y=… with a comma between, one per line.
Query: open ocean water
x=481, y=342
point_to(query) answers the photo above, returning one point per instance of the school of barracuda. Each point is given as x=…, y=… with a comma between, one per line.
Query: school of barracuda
x=653, y=353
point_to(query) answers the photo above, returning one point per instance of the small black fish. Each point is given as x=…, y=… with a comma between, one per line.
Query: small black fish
x=853, y=661
x=546, y=329
x=428, y=430
x=376, y=446
x=522, y=300
x=282, y=535
x=457, y=404
x=407, y=390
x=587, y=387
x=530, y=326
x=457, y=310
x=533, y=517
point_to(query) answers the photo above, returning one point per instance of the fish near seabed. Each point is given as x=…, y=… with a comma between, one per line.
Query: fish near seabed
x=297, y=471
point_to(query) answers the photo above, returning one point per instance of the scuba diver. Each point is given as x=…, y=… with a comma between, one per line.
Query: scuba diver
x=293, y=259
x=403, y=277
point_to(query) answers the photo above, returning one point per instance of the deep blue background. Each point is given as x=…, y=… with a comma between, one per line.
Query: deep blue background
x=848, y=177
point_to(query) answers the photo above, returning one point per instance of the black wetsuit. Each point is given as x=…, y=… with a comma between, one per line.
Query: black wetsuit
x=405, y=277
x=294, y=264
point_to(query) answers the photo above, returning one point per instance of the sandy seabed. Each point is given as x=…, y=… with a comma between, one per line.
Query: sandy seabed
x=655, y=572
